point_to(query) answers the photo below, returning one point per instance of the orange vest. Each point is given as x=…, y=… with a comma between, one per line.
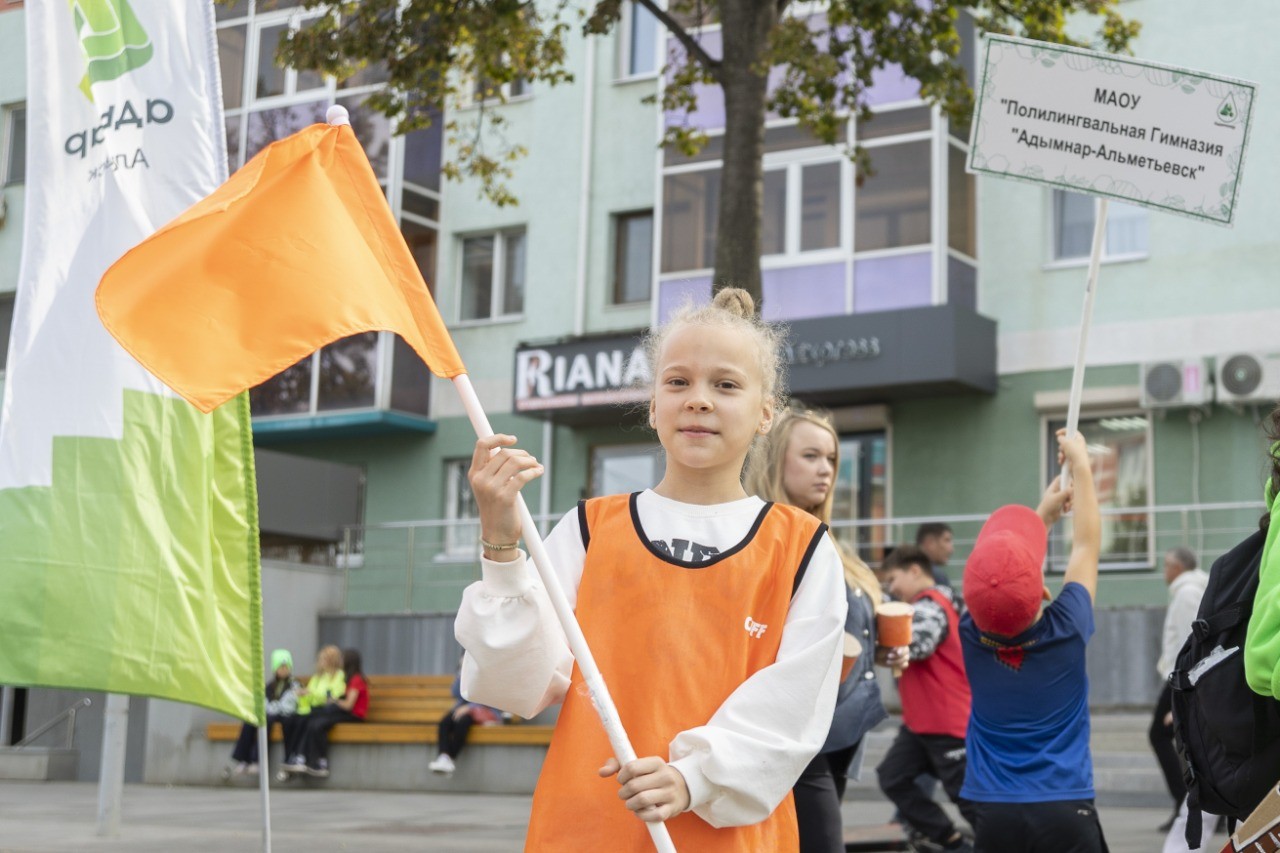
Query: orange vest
x=672, y=642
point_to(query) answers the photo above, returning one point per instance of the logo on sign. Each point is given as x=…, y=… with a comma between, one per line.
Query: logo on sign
x=1228, y=113
x=113, y=40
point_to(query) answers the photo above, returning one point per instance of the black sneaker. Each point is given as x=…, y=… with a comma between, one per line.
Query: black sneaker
x=918, y=842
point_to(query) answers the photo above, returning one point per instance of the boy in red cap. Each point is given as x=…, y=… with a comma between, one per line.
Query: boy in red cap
x=1030, y=772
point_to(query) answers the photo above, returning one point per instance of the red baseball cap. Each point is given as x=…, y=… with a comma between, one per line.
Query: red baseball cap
x=1003, y=578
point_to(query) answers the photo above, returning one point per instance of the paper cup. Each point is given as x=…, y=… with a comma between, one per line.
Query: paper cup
x=852, y=651
x=893, y=624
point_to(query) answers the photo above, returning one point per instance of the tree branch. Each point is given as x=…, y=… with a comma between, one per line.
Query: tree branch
x=690, y=43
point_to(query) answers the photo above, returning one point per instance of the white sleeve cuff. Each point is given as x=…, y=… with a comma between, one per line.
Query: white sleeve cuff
x=701, y=791
x=505, y=580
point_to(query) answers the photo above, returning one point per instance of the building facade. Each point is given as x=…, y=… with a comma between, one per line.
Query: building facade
x=933, y=313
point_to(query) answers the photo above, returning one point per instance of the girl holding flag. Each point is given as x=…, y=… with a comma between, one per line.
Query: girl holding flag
x=717, y=618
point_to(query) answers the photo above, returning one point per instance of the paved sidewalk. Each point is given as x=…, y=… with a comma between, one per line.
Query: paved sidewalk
x=60, y=817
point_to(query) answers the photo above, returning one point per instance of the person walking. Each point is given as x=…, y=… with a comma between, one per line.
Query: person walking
x=935, y=705
x=1186, y=587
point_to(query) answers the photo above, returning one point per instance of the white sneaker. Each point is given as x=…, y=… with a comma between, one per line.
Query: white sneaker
x=251, y=770
x=443, y=765
x=241, y=768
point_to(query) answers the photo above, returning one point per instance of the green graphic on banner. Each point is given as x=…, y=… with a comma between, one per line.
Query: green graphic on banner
x=137, y=571
x=112, y=38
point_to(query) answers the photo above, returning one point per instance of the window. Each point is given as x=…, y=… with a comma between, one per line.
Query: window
x=350, y=374
x=343, y=375
x=1120, y=449
x=462, y=534
x=13, y=138
x=820, y=207
x=861, y=493
x=690, y=211
x=773, y=213
x=632, y=257
x=892, y=207
x=264, y=102
x=420, y=196
x=638, y=39
x=1073, y=218
x=626, y=468
x=410, y=380
x=493, y=268
x=227, y=11
x=801, y=208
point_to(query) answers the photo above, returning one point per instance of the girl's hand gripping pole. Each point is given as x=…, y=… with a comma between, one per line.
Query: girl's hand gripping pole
x=600, y=697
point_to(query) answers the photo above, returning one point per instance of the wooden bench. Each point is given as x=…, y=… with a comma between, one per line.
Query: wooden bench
x=406, y=709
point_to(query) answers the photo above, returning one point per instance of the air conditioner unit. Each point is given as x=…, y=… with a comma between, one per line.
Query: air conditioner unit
x=1185, y=382
x=1248, y=377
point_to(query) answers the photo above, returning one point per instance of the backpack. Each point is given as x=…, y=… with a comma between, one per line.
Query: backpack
x=1227, y=735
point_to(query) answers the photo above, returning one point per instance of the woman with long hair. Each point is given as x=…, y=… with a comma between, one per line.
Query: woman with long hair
x=798, y=467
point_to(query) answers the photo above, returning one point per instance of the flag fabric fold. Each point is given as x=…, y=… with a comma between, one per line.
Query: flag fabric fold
x=128, y=519
x=297, y=250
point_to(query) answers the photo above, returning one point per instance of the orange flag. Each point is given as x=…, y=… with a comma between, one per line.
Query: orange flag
x=295, y=251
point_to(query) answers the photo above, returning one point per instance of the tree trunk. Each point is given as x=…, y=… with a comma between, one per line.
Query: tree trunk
x=745, y=29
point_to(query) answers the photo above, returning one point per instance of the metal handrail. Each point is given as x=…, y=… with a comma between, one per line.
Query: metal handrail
x=430, y=553
x=69, y=713
x=861, y=522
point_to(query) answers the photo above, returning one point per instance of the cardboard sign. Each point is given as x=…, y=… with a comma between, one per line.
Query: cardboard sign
x=1138, y=132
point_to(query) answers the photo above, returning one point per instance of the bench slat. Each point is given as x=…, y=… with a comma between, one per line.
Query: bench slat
x=404, y=733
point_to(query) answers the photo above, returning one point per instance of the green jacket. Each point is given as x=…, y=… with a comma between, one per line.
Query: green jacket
x=320, y=689
x=1262, y=642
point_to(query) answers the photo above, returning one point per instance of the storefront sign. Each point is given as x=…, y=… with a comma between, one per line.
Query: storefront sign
x=822, y=353
x=1143, y=133
x=597, y=372
x=833, y=361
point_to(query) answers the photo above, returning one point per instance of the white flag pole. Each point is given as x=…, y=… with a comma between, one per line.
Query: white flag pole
x=264, y=743
x=1090, y=291
x=600, y=697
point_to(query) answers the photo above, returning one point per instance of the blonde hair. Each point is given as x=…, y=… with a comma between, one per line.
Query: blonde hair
x=731, y=308
x=765, y=478
x=329, y=659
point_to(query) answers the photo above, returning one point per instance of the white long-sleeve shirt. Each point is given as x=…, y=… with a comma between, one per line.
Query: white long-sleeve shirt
x=518, y=660
x=1184, y=602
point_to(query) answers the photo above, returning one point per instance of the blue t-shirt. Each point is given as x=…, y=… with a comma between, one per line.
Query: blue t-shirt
x=1028, y=739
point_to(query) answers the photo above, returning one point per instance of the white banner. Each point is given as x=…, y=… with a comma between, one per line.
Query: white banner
x=124, y=132
x=1140, y=132
x=130, y=557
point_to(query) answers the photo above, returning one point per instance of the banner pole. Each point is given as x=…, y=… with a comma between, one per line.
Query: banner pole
x=600, y=697
x=111, y=774
x=6, y=714
x=1090, y=291
x=264, y=744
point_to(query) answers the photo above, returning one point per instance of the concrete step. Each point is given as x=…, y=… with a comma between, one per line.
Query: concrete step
x=38, y=764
